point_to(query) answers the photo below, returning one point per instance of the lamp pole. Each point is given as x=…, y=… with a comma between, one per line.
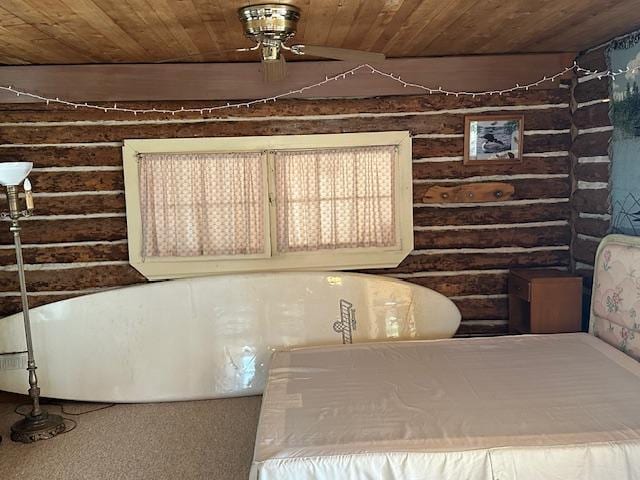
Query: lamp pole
x=37, y=424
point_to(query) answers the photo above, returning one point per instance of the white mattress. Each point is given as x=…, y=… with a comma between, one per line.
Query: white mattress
x=528, y=407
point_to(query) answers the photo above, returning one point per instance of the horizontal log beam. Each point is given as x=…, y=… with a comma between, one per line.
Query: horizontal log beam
x=591, y=90
x=193, y=81
x=595, y=59
x=591, y=201
x=64, y=157
x=106, y=276
x=456, y=169
x=448, y=147
x=556, y=118
x=501, y=237
x=489, y=260
x=464, y=284
x=592, y=116
x=591, y=144
x=11, y=305
x=80, y=204
x=585, y=250
x=472, y=329
x=592, y=172
x=68, y=254
x=595, y=227
x=77, y=181
x=76, y=230
x=40, y=112
x=489, y=214
x=483, y=308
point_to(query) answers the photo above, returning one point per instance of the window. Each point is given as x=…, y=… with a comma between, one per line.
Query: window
x=201, y=206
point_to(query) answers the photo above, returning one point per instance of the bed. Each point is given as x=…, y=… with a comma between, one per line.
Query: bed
x=528, y=407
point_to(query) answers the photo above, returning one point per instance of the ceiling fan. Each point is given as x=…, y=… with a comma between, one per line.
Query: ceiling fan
x=271, y=26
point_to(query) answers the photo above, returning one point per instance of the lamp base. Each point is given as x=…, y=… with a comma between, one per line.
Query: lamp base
x=41, y=427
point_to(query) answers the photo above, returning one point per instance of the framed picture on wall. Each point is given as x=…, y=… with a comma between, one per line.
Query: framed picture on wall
x=493, y=139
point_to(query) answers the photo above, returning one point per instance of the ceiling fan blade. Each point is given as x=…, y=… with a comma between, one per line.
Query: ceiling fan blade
x=274, y=70
x=339, y=53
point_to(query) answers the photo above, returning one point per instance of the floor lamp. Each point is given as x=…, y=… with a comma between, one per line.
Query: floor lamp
x=37, y=424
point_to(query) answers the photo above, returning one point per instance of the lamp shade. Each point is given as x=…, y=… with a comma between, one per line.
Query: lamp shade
x=13, y=173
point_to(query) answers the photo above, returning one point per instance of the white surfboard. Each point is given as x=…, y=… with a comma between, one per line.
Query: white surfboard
x=209, y=337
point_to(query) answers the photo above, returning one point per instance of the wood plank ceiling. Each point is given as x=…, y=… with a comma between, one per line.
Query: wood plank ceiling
x=139, y=31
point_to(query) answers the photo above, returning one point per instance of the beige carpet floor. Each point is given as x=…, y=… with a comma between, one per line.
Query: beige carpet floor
x=208, y=439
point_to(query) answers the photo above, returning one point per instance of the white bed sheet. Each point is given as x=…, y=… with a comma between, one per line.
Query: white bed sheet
x=528, y=407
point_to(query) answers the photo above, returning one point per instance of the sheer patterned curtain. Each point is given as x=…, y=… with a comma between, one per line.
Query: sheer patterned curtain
x=200, y=204
x=335, y=198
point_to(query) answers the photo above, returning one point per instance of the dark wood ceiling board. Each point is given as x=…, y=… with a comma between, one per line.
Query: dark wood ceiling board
x=446, y=19
x=53, y=20
x=173, y=27
x=421, y=17
x=189, y=18
x=386, y=14
x=551, y=18
x=7, y=55
x=136, y=31
x=304, y=5
x=22, y=38
x=396, y=22
x=365, y=16
x=317, y=33
x=233, y=31
x=215, y=26
x=70, y=28
x=7, y=18
x=561, y=19
x=465, y=34
x=140, y=21
x=425, y=22
x=104, y=24
x=6, y=58
x=340, y=29
x=11, y=47
x=620, y=18
x=36, y=40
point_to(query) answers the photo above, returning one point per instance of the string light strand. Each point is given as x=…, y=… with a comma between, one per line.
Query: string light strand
x=600, y=74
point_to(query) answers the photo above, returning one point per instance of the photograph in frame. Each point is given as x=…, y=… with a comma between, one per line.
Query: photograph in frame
x=493, y=139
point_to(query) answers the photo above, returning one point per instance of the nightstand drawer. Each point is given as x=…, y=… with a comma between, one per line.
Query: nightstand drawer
x=519, y=287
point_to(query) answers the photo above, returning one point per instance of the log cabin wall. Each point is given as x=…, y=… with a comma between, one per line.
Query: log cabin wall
x=77, y=242
x=590, y=156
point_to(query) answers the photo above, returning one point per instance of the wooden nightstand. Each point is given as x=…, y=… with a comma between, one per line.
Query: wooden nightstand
x=544, y=301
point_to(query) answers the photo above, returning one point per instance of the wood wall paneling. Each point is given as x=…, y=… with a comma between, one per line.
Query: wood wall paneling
x=77, y=243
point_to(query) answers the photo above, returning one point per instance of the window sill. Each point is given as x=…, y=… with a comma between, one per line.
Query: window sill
x=156, y=269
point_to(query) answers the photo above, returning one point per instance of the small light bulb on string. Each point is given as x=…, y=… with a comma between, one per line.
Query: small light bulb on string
x=340, y=76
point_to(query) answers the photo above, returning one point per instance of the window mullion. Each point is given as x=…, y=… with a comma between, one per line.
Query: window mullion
x=272, y=220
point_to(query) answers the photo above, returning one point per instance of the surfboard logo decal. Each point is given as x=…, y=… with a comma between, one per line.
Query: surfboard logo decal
x=347, y=323
x=13, y=361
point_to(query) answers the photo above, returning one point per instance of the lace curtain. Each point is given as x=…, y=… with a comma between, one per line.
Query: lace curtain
x=202, y=204
x=338, y=198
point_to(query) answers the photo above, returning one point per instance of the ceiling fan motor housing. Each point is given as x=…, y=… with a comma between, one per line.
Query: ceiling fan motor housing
x=270, y=25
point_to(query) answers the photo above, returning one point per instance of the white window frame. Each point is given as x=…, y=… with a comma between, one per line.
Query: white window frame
x=157, y=268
